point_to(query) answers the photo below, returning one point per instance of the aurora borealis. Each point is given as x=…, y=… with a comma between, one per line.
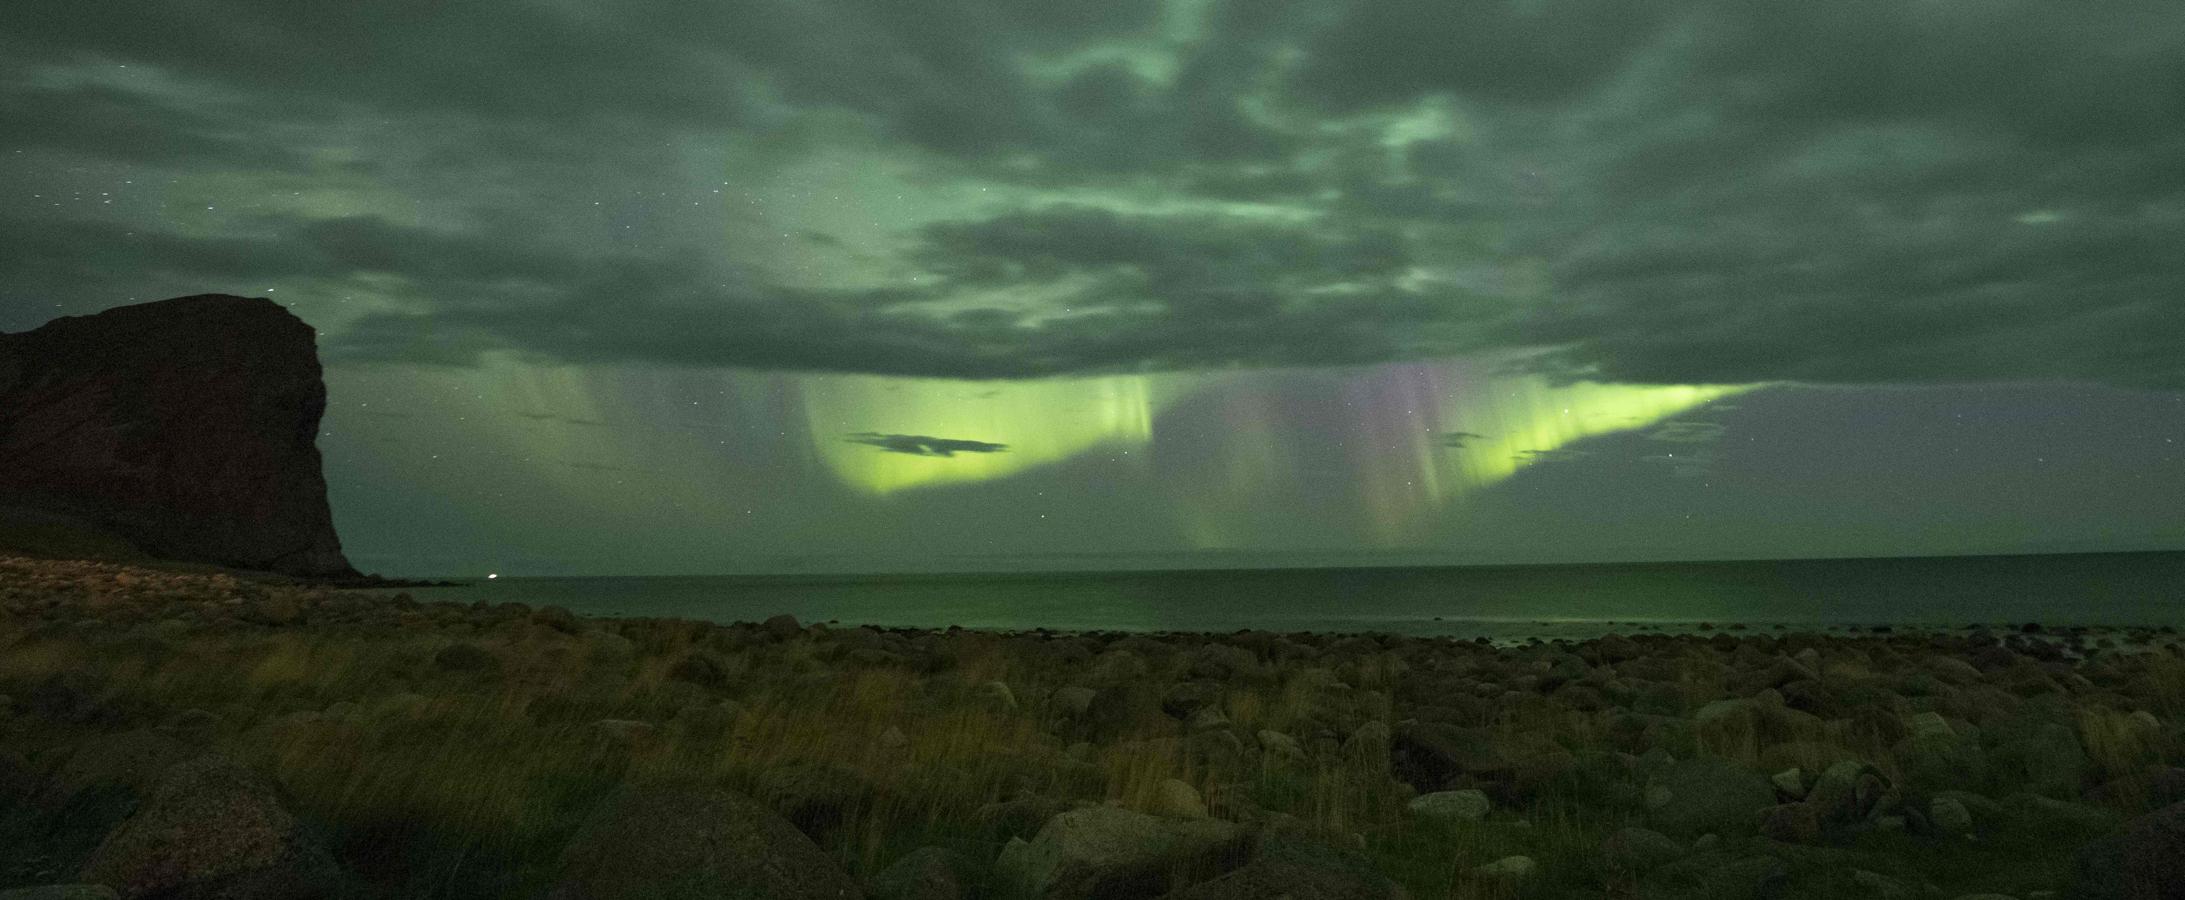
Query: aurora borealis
x=797, y=285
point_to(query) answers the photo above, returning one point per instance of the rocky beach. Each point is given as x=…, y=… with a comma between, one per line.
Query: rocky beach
x=192, y=734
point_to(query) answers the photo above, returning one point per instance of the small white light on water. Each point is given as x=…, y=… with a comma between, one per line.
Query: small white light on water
x=492, y=575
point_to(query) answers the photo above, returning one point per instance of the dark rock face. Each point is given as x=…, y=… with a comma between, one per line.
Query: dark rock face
x=185, y=426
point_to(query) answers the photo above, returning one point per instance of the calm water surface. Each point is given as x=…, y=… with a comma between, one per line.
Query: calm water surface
x=2088, y=589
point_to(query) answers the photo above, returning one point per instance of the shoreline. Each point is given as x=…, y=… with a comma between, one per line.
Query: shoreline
x=508, y=750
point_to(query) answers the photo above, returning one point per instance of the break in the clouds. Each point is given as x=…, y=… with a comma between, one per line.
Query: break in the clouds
x=1701, y=191
x=925, y=445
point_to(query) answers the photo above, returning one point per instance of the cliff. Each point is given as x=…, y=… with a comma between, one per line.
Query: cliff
x=186, y=427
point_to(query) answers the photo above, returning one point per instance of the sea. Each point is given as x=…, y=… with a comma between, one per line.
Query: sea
x=1494, y=602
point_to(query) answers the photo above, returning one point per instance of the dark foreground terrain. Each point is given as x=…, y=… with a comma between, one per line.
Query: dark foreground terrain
x=169, y=734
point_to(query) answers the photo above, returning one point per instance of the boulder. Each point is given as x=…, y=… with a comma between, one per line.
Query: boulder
x=1450, y=806
x=1177, y=799
x=1790, y=782
x=1844, y=793
x=1427, y=755
x=1719, y=876
x=1638, y=850
x=1021, y=817
x=213, y=828
x=1707, y=794
x=1792, y=823
x=1508, y=871
x=691, y=841
x=928, y=873
x=2145, y=860
x=2046, y=760
x=1949, y=815
x=782, y=627
x=1109, y=853
x=1298, y=868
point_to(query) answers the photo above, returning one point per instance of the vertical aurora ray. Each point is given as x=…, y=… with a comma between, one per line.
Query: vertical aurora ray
x=1406, y=443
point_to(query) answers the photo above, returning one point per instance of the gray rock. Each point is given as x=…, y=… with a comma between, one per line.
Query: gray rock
x=2046, y=761
x=1073, y=701
x=1450, y=806
x=1707, y=794
x=1508, y=870
x=2049, y=814
x=1940, y=759
x=1107, y=852
x=1949, y=816
x=1178, y=799
x=1719, y=876
x=1021, y=817
x=212, y=828
x=1793, y=823
x=2145, y=860
x=1844, y=793
x=1981, y=808
x=1639, y=850
x=928, y=873
x=688, y=841
x=1302, y=869
x=1791, y=782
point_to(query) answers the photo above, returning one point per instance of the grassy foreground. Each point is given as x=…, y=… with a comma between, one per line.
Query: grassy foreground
x=438, y=750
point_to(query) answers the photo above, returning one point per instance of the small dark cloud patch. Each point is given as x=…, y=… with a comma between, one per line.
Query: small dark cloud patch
x=1456, y=438
x=1688, y=432
x=924, y=445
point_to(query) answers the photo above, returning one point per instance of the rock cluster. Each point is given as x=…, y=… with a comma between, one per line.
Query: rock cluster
x=1052, y=765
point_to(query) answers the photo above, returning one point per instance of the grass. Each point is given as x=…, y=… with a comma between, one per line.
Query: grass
x=451, y=752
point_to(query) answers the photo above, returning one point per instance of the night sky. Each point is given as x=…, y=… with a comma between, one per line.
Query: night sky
x=810, y=285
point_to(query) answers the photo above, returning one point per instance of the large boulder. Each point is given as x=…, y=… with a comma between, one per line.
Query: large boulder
x=928, y=873
x=1428, y=755
x=186, y=427
x=1450, y=806
x=212, y=828
x=687, y=841
x=1704, y=794
x=2144, y=861
x=2046, y=760
x=1300, y=869
x=1110, y=853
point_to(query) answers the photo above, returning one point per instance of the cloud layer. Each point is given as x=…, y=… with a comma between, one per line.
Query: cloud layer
x=1677, y=192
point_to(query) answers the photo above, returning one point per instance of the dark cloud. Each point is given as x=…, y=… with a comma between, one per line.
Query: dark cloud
x=1688, y=432
x=924, y=445
x=1523, y=50
x=1456, y=438
x=105, y=122
x=1672, y=191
